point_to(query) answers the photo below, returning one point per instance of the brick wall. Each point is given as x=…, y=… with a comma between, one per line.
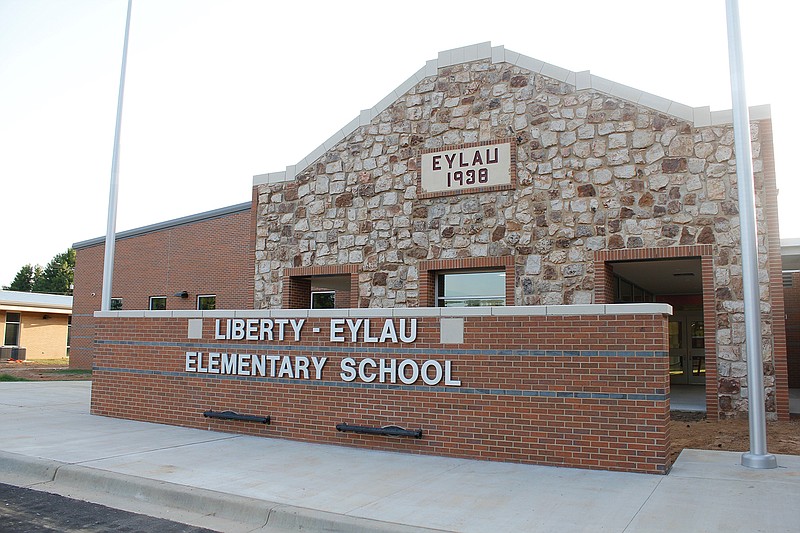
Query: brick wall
x=44, y=338
x=207, y=256
x=791, y=296
x=588, y=391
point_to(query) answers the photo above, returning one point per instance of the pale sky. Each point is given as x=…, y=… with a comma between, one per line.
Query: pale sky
x=220, y=90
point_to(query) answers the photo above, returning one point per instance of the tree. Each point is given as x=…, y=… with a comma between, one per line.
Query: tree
x=25, y=278
x=58, y=275
x=56, y=278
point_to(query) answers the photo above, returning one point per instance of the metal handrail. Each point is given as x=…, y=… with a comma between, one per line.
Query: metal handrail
x=392, y=431
x=231, y=415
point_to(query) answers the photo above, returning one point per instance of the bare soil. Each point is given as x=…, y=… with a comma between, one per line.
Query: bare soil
x=687, y=430
x=693, y=430
x=48, y=370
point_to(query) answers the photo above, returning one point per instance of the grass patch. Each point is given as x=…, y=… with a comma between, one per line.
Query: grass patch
x=61, y=361
x=8, y=377
x=71, y=371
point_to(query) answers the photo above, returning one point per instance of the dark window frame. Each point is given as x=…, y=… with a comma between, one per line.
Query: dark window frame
x=323, y=293
x=12, y=325
x=208, y=297
x=150, y=304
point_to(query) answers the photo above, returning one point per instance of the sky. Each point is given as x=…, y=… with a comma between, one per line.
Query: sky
x=218, y=91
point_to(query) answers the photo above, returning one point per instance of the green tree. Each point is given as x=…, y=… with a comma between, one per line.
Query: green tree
x=58, y=275
x=25, y=278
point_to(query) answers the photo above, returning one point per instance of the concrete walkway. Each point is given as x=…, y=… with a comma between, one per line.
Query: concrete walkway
x=50, y=442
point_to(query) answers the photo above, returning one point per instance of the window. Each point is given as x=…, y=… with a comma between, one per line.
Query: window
x=625, y=292
x=12, y=329
x=116, y=304
x=323, y=299
x=471, y=288
x=158, y=303
x=320, y=290
x=206, y=302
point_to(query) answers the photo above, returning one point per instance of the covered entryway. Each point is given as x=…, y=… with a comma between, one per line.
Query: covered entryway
x=677, y=282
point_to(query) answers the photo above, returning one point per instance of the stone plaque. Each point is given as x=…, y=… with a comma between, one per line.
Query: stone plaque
x=461, y=169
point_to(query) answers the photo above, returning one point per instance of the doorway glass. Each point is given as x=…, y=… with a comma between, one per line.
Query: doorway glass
x=687, y=356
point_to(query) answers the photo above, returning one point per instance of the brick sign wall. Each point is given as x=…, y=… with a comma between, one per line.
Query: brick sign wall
x=587, y=389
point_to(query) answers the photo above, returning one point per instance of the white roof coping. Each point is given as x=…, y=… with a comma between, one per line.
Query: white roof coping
x=191, y=219
x=35, y=300
x=406, y=312
x=790, y=247
x=583, y=80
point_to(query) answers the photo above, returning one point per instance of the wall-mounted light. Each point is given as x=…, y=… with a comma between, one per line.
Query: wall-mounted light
x=182, y=294
x=45, y=317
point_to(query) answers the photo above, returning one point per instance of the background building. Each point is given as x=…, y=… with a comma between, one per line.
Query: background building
x=35, y=326
x=790, y=253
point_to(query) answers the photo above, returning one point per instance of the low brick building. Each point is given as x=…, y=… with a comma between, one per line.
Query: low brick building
x=200, y=261
x=34, y=325
x=790, y=252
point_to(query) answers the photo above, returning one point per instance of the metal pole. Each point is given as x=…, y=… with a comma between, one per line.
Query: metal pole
x=111, y=228
x=757, y=457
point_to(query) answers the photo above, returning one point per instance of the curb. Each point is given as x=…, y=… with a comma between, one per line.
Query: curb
x=22, y=471
x=99, y=486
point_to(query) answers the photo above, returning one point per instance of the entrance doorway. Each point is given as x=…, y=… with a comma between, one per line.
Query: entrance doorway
x=678, y=282
x=687, y=354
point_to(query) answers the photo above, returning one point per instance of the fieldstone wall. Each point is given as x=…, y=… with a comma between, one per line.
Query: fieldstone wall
x=594, y=173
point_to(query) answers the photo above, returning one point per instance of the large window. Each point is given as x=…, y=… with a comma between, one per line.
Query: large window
x=12, y=329
x=158, y=303
x=207, y=302
x=471, y=288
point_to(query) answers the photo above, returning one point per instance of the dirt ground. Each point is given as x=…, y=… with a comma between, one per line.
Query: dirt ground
x=49, y=370
x=687, y=430
x=692, y=430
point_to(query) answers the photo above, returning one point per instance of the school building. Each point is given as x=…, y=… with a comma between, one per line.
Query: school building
x=34, y=325
x=515, y=261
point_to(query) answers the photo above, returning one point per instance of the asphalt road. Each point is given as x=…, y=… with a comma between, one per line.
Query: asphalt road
x=30, y=511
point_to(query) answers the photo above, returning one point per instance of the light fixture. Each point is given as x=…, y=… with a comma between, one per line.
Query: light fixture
x=182, y=294
x=45, y=317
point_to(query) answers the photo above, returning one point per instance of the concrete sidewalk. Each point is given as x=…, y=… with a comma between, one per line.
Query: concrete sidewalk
x=50, y=442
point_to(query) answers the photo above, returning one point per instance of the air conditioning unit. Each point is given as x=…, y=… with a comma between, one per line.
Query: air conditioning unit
x=12, y=352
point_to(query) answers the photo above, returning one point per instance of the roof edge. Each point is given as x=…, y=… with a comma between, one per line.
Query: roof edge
x=699, y=116
x=35, y=300
x=197, y=217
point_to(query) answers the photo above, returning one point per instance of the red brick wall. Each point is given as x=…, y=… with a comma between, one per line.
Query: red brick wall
x=212, y=256
x=778, y=371
x=297, y=286
x=588, y=391
x=791, y=297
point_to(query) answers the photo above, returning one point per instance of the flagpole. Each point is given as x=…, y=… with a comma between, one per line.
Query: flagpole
x=757, y=457
x=111, y=228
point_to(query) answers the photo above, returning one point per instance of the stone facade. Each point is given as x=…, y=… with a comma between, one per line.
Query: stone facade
x=595, y=172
